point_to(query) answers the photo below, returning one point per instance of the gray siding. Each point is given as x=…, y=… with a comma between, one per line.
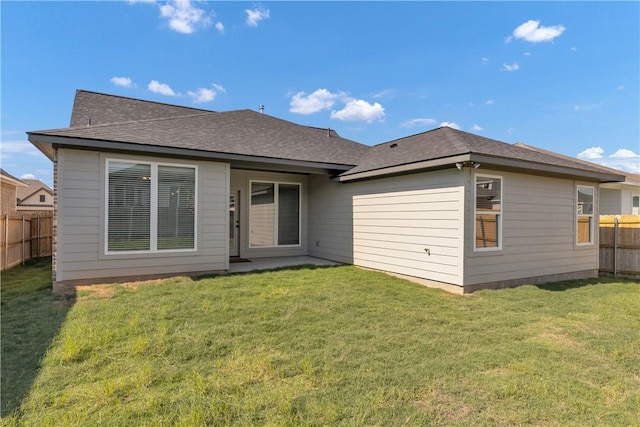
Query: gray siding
x=539, y=232
x=409, y=225
x=81, y=217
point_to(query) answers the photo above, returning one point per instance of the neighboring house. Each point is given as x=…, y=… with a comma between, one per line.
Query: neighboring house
x=621, y=198
x=146, y=189
x=616, y=198
x=36, y=198
x=9, y=188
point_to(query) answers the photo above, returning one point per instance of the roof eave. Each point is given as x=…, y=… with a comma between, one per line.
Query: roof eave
x=46, y=143
x=489, y=162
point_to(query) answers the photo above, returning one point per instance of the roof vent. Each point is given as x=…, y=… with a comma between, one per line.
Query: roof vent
x=261, y=108
x=328, y=132
x=394, y=145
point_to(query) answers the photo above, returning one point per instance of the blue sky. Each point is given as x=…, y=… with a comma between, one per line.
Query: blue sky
x=562, y=76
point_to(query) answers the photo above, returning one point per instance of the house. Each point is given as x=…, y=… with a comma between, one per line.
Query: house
x=35, y=198
x=621, y=198
x=616, y=198
x=9, y=187
x=146, y=189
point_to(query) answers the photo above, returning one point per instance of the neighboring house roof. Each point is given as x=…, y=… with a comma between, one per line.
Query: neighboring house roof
x=443, y=146
x=119, y=123
x=7, y=177
x=34, y=186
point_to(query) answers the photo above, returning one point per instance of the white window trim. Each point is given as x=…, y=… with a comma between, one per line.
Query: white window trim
x=276, y=197
x=153, y=237
x=497, y=213
x=592, y=215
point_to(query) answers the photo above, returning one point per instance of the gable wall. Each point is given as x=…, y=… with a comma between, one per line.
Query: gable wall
x=539, y=232
x=409, y=225
x=81, y=216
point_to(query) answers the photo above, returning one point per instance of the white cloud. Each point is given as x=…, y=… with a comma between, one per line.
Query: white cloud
x=623, y=153
x=591, y=153
x=254, y=16
x=17, y=150
x=485, y=60
x=202, y=95
x=141, y=1
x=623, y=159
x=28, y=176
x=512, y=67
x=418, y=122
x=386, y=93
x=476, y=127
x=161, y=88
x=220, y=27
x=319, y=100
x=533, y=32
x=451, y=125
x=620, y=87
x=359, y=109
x=183, y=17
x=122, y=81
x=527, y=54
x=573, y=49
x=489, y=102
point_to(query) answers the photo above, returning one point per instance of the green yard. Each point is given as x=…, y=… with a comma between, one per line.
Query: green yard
x=319, y=346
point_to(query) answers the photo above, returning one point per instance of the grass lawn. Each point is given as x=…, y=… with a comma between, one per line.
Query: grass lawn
x=328, y=346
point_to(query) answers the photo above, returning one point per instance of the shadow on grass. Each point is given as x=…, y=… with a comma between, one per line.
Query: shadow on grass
x=268, y=270
x=31, y=318
x=574, y=284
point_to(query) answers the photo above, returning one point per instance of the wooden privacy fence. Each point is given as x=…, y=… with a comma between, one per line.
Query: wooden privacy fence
x=620, y=244
x=25, y=237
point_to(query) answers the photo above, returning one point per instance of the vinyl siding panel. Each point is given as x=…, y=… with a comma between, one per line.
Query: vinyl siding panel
x=81, y=222
x=409, y=224
x=539, y=232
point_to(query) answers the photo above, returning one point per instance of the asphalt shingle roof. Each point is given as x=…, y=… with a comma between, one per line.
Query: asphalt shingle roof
x=243, y=132
x=447, y=142
x=93, y=108
x=249, y=133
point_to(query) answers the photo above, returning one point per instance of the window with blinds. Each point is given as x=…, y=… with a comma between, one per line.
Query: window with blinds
x=151, y=207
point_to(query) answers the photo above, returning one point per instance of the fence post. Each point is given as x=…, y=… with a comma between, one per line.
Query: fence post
x=23, y=257
x=38, y=236
x=615, y=246
x=6, y=240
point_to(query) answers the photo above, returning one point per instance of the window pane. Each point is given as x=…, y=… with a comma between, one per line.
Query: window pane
x=585, y=200
x=176, y=207
x=488, y=194
x=129, y=206
x=262, y=214
x=487, y=229
x=584, y=229
x=288, y=214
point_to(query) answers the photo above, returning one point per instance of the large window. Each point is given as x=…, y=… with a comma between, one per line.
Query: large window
x=150, y=207
x=274, y=214
x=488, y=212
x=584, y=215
